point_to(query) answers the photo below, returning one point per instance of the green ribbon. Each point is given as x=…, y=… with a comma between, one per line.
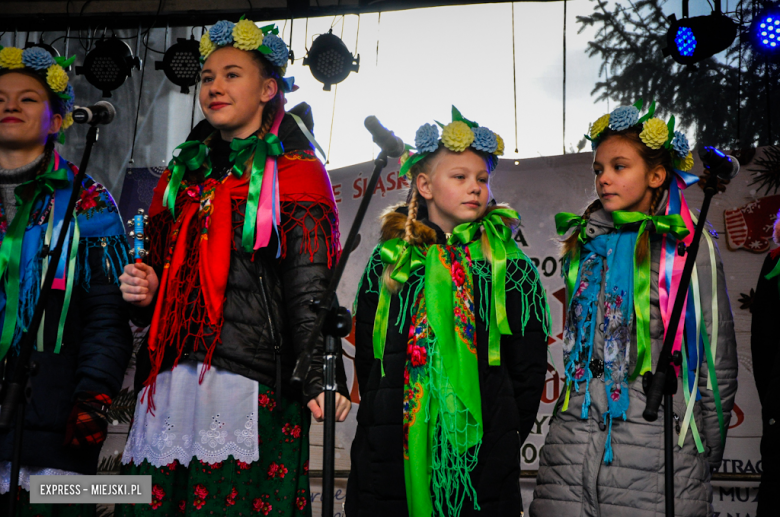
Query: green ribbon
x=193, y=154
x=409, y=163
x=499, y=237
x=564, y=221
x=672, y=224
x=11, y=250
x=404, y=258
x=774, y=273
x=242, y=151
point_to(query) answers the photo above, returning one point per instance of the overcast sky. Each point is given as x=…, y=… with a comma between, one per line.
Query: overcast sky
x=415, y=64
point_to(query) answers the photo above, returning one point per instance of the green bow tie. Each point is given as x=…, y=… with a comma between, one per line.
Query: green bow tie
x=499, y=237
x=565, y=221
x=193, y=155
x=672, y=224
x=669, y=224
x=242, y=151
x=404, y=258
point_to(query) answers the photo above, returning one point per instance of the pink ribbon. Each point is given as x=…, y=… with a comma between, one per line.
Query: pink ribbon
x=668, y=293
x=268, y=212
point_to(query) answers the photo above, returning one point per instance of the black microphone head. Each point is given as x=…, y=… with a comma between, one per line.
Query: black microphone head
x=384, y=138
x=110, y=111
x=723, y=166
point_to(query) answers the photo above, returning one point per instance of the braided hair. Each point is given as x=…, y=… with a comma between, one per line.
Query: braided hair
x=652, y=159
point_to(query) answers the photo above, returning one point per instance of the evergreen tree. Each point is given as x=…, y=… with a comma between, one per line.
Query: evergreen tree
x=716, y=97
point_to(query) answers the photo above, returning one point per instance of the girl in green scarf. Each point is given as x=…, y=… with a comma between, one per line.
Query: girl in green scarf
x=451, y=333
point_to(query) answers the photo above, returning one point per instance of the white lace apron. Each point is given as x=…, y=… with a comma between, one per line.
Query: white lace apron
x=209, y=421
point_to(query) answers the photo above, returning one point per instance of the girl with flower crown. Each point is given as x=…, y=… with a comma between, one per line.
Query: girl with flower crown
x=84, y=342
x=622, y=271
x=451, y=342
x=244, y=230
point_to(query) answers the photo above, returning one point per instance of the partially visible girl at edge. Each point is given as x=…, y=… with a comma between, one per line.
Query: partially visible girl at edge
x=446, y=401
x=237, y=253
x=84, y=342
x=600, y=456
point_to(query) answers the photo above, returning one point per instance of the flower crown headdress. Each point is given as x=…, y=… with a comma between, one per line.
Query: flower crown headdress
x=246, y=35
x=457, y=136
x=655, y=132
x=51, y=69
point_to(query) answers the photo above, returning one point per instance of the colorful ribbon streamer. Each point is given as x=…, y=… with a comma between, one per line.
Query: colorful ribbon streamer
x=258, y=150
x=667, y=224
x=11, y=250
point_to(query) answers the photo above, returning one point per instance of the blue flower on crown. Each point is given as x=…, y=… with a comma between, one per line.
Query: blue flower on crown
x=279, y=52
x=222, y=33
x=427, y=138
x=484, y=140
x=37, y=58
x=623, y=118
x=680, y=144
x=67, y=104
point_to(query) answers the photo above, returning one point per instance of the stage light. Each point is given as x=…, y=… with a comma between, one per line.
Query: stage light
x=181, y=63
x=108, y=65
x=765, y=30
x=330, y=60
x=690, y=40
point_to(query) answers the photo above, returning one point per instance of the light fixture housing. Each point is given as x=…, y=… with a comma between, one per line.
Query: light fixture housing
x=181, y=63
x=690, y=40
x=330, y=61
x=108, y=65
x=765, y=31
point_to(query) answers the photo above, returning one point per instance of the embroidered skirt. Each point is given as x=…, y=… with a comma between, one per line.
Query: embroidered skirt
x=276, y=484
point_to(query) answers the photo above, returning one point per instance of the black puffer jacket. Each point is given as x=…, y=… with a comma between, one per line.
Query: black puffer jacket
x=765, y=346
x=510, y=394
x=96, y=348
x=267, y=315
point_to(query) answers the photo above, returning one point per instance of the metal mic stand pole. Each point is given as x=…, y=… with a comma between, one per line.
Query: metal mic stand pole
x=18, y=390
x=663, y=384
x=339, y=325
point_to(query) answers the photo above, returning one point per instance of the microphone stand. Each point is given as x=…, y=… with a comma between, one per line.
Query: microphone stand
x=18, y=390
x=663, y=384
x=339, y=324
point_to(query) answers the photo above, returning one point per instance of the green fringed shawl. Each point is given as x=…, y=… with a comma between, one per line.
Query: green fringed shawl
x=442, y=400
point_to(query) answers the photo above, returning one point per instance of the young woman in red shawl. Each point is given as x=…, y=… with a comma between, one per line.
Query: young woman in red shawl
x=244, y=230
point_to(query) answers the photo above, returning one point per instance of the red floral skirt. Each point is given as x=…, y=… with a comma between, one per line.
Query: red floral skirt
x=277, y=484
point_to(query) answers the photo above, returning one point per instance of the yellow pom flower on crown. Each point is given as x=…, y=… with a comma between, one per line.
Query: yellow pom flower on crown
x=500, y=148
x=67, y=121
x=457, y=136
x=655, y=133
x=206, y=45
x=56, y=78
x=686, y=163
x=11, y=58
x=247, y=35
x=599, y=126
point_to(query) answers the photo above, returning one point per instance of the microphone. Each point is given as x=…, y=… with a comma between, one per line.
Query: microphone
x=384, y=138
x=103, y=112
x=723, y=166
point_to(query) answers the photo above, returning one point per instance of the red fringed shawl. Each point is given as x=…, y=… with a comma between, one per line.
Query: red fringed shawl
x=194, y=249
